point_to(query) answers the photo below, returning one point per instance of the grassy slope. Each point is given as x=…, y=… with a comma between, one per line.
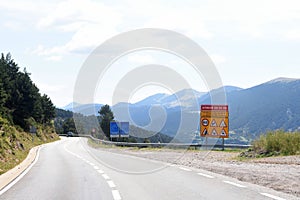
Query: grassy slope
x=275, y=143
x=15, y=144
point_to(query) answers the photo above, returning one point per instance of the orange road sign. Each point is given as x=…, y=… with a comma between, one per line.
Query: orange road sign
x=214, y=121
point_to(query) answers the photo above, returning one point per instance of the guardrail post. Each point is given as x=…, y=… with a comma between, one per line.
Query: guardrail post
x=223, y=146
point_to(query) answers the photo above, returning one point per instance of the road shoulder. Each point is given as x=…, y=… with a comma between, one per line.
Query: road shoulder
x=12, y=174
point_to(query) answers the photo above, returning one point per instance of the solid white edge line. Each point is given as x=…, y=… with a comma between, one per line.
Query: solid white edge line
x=18, y=178
x=272, y=196
x=235, y=184
x=111, y=184
x=105, y=176
x=185, y=169
x=205, y=175
x=116, y=195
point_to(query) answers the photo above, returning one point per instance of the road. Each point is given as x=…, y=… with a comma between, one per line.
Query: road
x=70, y=169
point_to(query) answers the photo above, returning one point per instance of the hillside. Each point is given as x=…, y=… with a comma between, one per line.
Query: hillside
x=269, y=106
x=23, y=109
x=15, y=143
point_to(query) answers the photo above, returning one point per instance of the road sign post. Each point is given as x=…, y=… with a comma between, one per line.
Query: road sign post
x=214, y=121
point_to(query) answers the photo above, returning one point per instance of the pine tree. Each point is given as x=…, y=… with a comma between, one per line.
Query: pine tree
x=106, y=116
x=20, y=100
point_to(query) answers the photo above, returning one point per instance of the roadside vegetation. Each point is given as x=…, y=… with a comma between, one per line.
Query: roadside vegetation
x=23, y=109
x=15, y=143
x=274, y=143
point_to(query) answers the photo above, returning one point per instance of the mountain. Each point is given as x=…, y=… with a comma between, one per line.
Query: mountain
x=162, y=112
x=154, y=99
x=252, y=111
x=269, y=106
x=85, y=109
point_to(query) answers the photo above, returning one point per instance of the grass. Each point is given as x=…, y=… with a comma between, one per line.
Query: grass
x=15, y=143
x=275, y=143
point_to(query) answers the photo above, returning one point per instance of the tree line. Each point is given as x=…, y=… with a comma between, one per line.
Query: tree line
x=21, y=103
x=64, y=122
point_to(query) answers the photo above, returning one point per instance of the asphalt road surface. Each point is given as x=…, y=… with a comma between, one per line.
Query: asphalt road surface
x=70, y=169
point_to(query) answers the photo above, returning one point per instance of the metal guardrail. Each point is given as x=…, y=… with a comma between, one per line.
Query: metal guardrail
x=170, y=145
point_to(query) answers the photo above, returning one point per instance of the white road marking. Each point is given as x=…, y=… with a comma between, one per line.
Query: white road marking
x=22, y=174
x=105, y=176
x=116, y=195
x=272, y=196
x=111, y=184
x=235, y=184
x=185, y=169
x=205, y=175
x=96, y=167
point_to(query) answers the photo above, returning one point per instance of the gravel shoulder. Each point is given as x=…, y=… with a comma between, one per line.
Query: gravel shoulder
x=279, y=173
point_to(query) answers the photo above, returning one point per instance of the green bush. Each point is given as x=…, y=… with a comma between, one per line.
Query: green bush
x=277, y=143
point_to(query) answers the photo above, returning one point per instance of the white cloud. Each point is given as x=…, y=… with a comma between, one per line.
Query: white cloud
x=90, y=22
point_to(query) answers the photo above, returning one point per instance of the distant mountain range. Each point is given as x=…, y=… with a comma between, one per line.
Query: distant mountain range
x=85, y=109
x=268, y=106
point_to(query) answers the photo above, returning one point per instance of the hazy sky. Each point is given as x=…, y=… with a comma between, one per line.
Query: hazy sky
x=250, y=42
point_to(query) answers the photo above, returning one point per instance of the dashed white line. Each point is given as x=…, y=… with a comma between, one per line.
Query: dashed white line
x=111, y=184
x=96, y=167
x=116, y=195
x=185, y=169
x=235, y=184
x=272, y=196
x=205, y=175
x=105, y=176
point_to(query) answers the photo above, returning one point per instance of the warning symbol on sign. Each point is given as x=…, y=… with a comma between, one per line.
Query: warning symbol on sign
x=214, y=132
x=223, y=124
x=223, y=133
x=213, y=123
x=204, y=132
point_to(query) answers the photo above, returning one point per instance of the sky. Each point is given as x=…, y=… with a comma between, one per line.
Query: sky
x=250, y=42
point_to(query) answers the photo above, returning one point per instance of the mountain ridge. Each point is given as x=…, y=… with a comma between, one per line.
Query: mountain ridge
x=268, y=106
